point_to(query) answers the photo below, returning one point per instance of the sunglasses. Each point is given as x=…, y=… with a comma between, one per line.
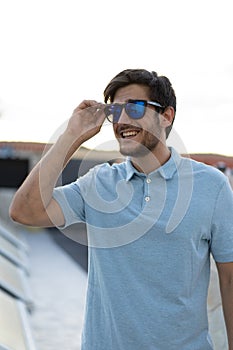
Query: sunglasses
x=135, y=109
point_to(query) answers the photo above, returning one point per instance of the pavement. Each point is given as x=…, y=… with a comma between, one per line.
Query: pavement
x=58, y=286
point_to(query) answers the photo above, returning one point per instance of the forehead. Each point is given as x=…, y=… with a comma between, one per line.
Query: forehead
x=132, y=91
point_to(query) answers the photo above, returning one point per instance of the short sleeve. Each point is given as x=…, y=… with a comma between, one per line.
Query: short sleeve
x=71, y=202
x=71, y=197
x=222, y=225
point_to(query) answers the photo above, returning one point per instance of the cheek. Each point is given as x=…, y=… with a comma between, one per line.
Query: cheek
x=164, y=123
x=152, y=130
x=151, y=127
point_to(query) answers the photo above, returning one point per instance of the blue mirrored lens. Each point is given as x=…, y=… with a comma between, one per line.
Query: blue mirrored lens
x=135, y=110
x=116, y=112
x=113, y=112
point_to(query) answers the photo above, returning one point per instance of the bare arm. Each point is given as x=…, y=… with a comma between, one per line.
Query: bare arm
x=33, y=203
x=225, y=271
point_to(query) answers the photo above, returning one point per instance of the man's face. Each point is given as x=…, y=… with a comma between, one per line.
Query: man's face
x=141, y=136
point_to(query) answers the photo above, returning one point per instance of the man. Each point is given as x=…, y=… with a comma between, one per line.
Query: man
x=152, y=222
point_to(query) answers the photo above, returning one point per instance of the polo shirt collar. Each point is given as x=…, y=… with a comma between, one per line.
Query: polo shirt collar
x=166, y=171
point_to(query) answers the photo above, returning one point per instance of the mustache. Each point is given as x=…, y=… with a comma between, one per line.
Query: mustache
x=122, y=127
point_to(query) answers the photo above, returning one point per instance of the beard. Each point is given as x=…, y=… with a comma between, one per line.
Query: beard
x=139, y=149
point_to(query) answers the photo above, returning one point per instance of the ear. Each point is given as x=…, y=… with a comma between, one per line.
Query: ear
x=167, y=117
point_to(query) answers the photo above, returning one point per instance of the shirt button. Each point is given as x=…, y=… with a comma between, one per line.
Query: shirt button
x=148, y=180
x=147, y=199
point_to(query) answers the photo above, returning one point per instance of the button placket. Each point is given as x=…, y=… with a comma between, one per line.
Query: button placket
x=147, y=197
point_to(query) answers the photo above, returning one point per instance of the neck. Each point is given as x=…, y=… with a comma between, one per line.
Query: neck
x=153, y=160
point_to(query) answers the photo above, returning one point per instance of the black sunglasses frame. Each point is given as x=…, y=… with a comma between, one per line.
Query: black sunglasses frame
x=142, y=103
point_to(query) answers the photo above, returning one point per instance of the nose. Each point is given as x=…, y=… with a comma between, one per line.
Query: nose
x=124, y=118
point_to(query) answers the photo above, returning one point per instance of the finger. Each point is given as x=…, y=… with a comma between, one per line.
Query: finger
x=87, y=103
x=96, y=109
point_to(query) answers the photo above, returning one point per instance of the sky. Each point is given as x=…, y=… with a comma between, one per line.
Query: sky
x=55, y=53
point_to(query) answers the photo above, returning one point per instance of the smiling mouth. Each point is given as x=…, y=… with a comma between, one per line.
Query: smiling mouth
x=129, y=134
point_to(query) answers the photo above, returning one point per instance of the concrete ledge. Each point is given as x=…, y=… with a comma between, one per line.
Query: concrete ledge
x=13, y=280
x=12, y=253
x=15, y=330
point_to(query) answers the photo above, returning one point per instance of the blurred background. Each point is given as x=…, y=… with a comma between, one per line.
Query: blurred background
x=53, y=55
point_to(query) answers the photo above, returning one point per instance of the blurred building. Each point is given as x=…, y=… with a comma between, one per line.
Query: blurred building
x=18, y=158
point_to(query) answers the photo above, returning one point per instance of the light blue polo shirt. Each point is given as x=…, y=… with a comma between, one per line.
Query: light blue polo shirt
x=150, y=237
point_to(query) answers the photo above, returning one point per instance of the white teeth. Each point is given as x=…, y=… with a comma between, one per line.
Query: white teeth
x=129, y=133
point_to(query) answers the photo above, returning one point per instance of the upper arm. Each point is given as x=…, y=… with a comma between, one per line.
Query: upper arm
x=225, y=272
x=222, y=226
x=53, y=214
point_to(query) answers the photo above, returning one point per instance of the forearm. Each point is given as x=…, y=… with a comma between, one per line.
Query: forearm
x=51, y=166
x=35, y=194
x=33, y=204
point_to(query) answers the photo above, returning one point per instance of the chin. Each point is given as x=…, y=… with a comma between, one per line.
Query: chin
x=138, y=151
